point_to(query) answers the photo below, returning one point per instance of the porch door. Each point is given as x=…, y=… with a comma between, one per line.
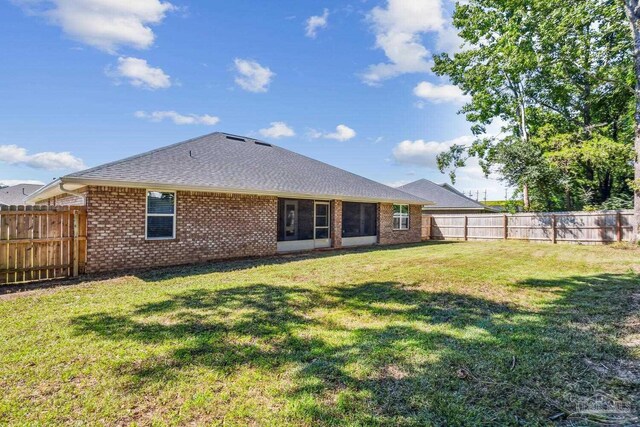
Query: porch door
x=290, y=220
x=321, y=225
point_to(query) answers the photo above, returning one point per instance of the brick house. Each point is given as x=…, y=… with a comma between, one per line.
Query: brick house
x=224, y=196
x=15, y=194
x=444, y=198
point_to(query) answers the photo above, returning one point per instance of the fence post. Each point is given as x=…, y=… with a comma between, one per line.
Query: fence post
x=554, y=222
x=76, y=231
x=619, y=227
x=8, y=231
x=505, y=225
x=466, y=227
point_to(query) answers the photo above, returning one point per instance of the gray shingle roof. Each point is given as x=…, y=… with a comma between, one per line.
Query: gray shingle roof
x=15, y=194
x=225, y=162
x=444, y=196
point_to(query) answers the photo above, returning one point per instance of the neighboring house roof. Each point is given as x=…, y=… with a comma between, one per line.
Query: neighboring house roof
x=228, y=163
x=16, y=194
x=444, y=196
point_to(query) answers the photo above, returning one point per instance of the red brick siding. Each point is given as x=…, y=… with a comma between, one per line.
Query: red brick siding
x=336, y=224
x=208, y=226
x=388, y=236
x=66, y=199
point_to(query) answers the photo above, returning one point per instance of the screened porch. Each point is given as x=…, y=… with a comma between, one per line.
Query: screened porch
x=307, y=224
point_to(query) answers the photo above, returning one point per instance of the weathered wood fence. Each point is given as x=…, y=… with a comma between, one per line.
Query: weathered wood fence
x=577, y=227
x=41, y=242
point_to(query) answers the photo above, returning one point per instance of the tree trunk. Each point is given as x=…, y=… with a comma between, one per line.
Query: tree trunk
x=525, y=197
x=633, y=14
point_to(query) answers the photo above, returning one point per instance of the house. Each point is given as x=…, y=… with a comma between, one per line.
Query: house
x=225, y=196
x=445, y=198
x=16, y=194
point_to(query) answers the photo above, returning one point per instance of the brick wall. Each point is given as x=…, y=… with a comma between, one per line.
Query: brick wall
x=336, y=224
x=388, y=236
x=208, y=226
x=66, y=199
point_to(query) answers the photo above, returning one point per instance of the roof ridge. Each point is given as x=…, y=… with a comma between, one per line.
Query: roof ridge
x=136, y=156
x=444, y=186
x=460, y=193
x=414, y=182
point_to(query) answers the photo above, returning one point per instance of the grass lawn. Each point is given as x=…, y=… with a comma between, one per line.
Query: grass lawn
x=429, y=334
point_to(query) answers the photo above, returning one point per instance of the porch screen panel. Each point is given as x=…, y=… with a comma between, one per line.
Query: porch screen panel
x=359, y=219
x=305, y=230
x=303, y=219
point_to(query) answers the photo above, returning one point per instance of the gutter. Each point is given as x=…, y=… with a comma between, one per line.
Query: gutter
x=33, y=196
x=74, y=192
x=59, y=183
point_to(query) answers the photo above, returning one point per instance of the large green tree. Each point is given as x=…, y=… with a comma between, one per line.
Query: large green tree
x=558, y=75
x=632, y=10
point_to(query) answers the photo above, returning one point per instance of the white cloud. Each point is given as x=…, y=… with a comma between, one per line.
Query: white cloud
x=14, y=155
x=314, y=23
x=140, y=74
x=177, y=118
x=399, y=28
x=396, y=184
x=448, y=40
x=440, y=93
x=424, y=153
x=469, y=178
x=277, y=130
x=342, y=133
x=314, y=134
x=252, y=76
x=10, y=182
x=104, y=24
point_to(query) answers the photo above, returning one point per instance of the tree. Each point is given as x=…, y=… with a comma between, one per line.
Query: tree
x=557, y=74
x=632, y=10
x=495, y=72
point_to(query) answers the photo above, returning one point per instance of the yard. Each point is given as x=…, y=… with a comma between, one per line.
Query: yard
x=441, y=333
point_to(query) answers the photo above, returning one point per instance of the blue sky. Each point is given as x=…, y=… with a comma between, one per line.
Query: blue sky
x=84, y=82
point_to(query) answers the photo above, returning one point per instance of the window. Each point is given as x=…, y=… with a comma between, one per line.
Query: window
x=161, y=215
x=400, y=217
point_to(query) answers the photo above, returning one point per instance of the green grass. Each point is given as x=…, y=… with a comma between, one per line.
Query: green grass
x=428, y=334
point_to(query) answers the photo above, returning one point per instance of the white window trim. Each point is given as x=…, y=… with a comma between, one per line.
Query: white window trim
x=401, y=215
x=147, y=214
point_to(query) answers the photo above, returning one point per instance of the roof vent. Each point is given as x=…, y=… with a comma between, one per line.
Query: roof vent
x=235, y=138
x=262, y=143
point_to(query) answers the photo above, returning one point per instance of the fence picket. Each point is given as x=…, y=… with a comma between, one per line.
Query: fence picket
x=39, y=243
x=577, y=227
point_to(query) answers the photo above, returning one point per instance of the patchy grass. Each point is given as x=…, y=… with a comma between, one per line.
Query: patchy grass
x=429, y=334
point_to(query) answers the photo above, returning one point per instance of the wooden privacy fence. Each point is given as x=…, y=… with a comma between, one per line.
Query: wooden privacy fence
x=577, y=227
x=41, y=242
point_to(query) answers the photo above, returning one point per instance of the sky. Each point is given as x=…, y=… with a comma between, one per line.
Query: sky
x=85, y=82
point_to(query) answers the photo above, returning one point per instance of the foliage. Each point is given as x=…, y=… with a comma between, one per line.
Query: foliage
x=615, y=203
x=558, y=76
x=511, y=205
